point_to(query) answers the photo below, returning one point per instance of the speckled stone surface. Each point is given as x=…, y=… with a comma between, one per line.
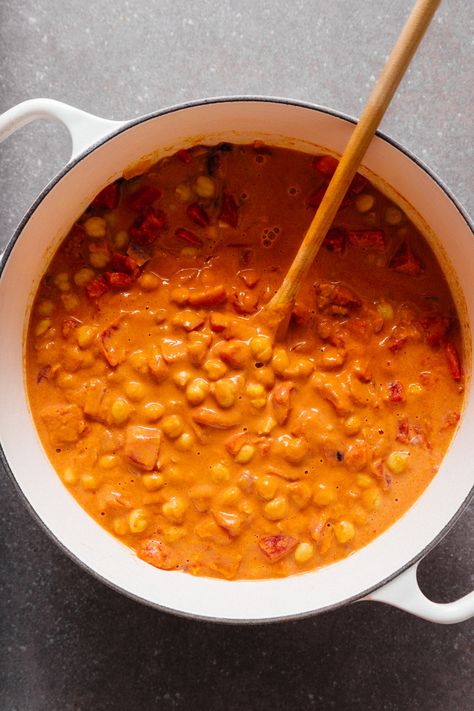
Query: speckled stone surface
x=69, y=643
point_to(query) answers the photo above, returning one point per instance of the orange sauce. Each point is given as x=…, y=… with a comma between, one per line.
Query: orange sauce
x=176, y=421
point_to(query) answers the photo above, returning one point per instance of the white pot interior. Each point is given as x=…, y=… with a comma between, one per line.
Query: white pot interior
x=237, y=121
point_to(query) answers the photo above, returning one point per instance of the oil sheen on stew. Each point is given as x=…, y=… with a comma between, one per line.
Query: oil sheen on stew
x=179, y=425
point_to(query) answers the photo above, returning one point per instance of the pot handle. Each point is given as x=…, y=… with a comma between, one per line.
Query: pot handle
x=404, y=592
x=84, y=128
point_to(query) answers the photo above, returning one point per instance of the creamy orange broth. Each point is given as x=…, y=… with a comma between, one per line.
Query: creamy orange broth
x=174, y=419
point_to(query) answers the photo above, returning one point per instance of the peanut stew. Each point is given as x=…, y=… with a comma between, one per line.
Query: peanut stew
x=174, y=418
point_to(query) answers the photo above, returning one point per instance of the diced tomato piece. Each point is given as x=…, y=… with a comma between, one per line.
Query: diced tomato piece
x=157, y=553
x=396, y=343
x=119, y=280
x=148, y=226
x=235, y=443
x=229, y=213
x=197, y=214
x=336, y=295
x=107, y=198
x=189, y=237
x=250, y=277
x=335, y=240
x=367, y=239
x=454, y=362
x=396, y=391
x=244, y=302
x=218, y=322
x=405, y=261
x=358, y=184
x=68, y=326
x=43, y=373
x=280, y=401
x=96, y=287
x=124, y=263
x=144, y=196
x=403, y=431
x=184, y=156
x=278, y=546
x=435, y=328
x=326, y=165
x=209, y=296
x=207, y=417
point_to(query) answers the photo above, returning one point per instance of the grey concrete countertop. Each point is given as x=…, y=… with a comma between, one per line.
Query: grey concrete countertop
x=68, y=642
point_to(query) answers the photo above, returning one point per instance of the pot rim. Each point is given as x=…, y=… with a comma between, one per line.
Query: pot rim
x=16, y=235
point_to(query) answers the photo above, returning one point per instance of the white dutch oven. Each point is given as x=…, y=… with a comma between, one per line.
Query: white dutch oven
x=385, y=570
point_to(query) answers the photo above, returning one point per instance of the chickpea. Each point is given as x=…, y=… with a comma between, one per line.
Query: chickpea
x=95, y=227
x=324, y=494
x=267, y=487
x=89, y=482
x=182, y=378
x=174, y=509
x=255, y=390
x=385, y=310
x=304, y=552
x=121, y=239
x=134, y=390
x=302, y=368
x=266, y=425
x=108, y=461
x=261, y=348
x=120, y=526
x=83, y=276
x=120, y=410
x=280, y=361
x=70, y=476
x=153, y=411
x=85, y=335
x=352, y=425
x=184, y=442
x=204, y=186
x=397, y=461
x=66, y=380
x=99, y=259
x=61, y=281
x=276, y=509
x=214, y=368
x=393, y=216
x=45, y=308
x=138, y=520
x=344, y=531
x=245, y=454
x=259, y=402
x=70, y=301
x=364, y=481
x=138, y=360
x=183, y=192
x=172, y=426
x=364, y=202
x=371, y=498
x=265, y=376
x=230, y=496
x=197, y=391
x=220, y=473
x=153, y=481
x=292, y=449
x=42, y=326
x=415, y=389
x=225, y=392
x=149, y=282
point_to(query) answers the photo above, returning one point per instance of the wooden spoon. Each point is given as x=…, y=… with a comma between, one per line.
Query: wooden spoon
x=277, y=312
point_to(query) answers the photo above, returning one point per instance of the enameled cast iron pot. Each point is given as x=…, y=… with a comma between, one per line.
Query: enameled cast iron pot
x=385, y=570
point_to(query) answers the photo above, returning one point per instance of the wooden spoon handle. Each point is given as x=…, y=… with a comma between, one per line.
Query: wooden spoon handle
x=374, y=110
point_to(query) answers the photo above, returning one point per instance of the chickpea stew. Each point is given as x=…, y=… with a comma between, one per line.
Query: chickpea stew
x=176, y=421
